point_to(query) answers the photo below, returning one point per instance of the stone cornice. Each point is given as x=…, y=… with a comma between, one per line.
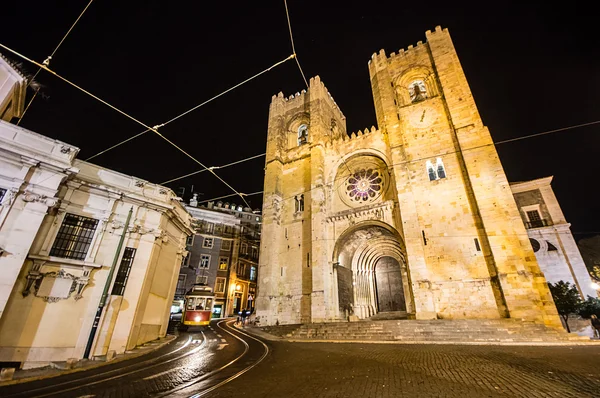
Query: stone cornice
x=555, y=227
x=64, y=261
x=28, y=144
x=524, y=186
x=361, y=211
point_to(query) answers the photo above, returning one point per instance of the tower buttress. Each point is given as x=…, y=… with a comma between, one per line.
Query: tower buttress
x=450, y=179
x=294, y=277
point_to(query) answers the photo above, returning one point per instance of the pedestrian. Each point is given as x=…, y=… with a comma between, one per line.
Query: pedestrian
x=596, y=326
x=244, y=314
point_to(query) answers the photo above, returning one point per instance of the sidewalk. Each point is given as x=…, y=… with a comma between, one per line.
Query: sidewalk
x=61, y=368
x=258, y=332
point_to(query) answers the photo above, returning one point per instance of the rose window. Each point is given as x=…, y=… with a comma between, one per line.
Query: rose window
x=364, y=185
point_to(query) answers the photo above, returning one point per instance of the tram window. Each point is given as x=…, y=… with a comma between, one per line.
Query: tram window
x=200, y=303
x=208, y=303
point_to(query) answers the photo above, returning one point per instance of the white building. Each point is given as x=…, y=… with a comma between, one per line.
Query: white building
x=61, y=221
x=550, y=235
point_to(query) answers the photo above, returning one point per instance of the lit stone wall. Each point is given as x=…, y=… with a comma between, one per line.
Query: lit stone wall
x=460, y=242
x=50, y=301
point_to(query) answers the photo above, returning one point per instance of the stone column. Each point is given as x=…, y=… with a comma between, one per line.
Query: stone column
x=323, y=303
x=20, y=227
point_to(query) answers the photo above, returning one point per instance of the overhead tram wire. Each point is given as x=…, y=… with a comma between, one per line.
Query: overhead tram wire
x=547, y=132
x=214, y=168
x=287, y=13
x=194, y=108
x=443, y=154
x=47, y=61
x=228, y=196
x=154, y=129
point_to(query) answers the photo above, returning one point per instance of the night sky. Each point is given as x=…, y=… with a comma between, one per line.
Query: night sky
x=531, y=67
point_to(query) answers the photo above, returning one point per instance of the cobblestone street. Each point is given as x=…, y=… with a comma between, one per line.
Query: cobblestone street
x=390, y=370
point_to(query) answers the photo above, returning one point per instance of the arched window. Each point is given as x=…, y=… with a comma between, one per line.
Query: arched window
x=441, y=171
x=302, y=134
x=417, y=91
x=437, y=172
x=431, y=171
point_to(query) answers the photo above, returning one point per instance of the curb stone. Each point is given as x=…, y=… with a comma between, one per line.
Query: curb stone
x=151, y=345
x=267, y=336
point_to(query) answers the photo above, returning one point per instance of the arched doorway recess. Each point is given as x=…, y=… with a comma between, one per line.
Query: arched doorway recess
x=371, y=271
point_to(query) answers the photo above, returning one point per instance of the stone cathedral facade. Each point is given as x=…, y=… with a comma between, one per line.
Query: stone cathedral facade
x=414, y=217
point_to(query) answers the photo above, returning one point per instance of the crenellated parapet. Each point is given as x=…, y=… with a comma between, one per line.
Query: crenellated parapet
x=412, y=50
x=358, y=136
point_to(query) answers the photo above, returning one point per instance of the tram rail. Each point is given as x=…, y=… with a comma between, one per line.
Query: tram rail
x=77, y=383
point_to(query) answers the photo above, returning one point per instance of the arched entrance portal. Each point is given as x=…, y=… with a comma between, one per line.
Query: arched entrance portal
x=371, y=271
x=388, y=282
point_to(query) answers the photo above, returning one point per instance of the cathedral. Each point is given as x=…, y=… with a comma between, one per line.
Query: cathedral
x=415, y=217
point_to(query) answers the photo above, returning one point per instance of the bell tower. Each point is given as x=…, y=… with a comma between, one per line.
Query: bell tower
x=294, y=282
x=468, y=251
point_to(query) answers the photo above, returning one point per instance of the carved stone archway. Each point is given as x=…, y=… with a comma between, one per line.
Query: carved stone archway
x=356, y=254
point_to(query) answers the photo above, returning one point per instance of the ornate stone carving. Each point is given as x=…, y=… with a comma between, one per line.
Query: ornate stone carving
x=65, y=149
x=365, y=181
x=117, y=224
x=159, y=234
x=163, y=191
x=9, y=196
x=140, y=183
x=82, y=282
x=34, y=197
x=56, y=285
x=372, y=212
x=33, y=276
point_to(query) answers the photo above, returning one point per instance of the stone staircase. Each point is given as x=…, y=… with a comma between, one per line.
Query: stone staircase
x=391, y=315
x=471, y=331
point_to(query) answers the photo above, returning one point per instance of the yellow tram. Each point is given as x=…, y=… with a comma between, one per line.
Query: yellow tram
x=198, y=307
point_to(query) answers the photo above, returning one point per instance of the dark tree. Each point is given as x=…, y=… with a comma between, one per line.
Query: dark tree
x=590, y=307
x=567, y=300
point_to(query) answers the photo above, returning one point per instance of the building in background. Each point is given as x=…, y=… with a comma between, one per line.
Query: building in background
x=223, y=253
x=61, y=222
x=211, y=252
x=550, y=235
x=243, y=276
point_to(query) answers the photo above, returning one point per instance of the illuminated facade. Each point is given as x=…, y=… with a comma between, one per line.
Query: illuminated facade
x=61, y=221
x=550, y=235
x=415, y=217
x=223, y=253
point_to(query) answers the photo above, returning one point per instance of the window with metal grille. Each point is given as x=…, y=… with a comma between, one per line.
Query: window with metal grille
x=123, y=273
x=2, y=193
x=74, y=237
x=201, y=280
x=533, y=215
